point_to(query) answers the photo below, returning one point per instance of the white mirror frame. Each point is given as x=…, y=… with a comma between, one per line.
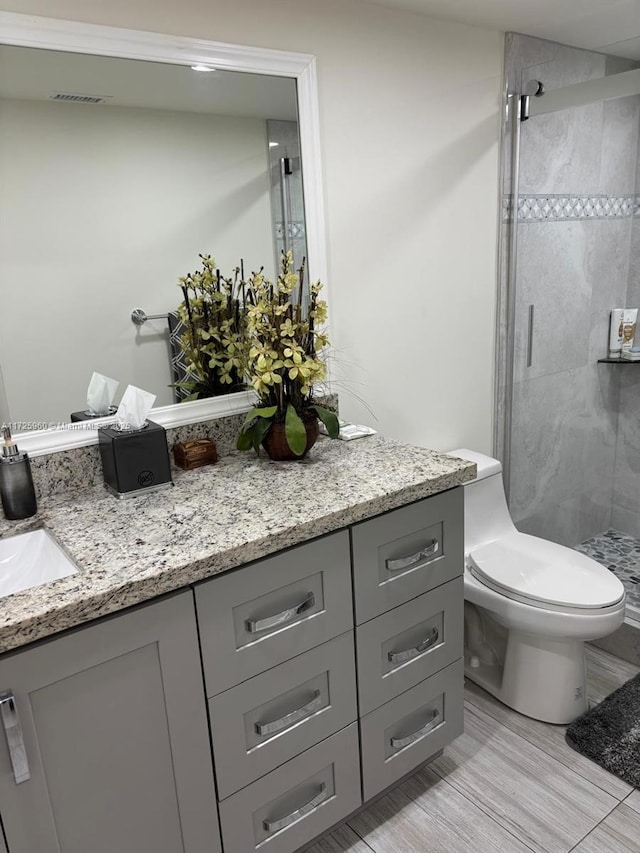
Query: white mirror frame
x=71, y=36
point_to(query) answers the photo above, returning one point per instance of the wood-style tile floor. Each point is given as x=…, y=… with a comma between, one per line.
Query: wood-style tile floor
x=507, y=785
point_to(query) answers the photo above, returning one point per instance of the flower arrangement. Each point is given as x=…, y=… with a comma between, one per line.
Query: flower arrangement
x=213, y=313
x=284, y=361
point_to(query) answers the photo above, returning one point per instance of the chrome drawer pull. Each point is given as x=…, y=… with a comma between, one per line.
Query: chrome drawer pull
x=13, y=733
x=255, y=625
x=289, y=719
x=303, y=811
x=405, y=562
x=399, y=742
x=408, y=654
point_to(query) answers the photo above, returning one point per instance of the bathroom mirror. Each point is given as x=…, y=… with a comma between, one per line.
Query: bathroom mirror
x=120, y=161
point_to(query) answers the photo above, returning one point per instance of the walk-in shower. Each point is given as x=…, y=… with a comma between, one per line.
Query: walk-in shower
x=568, y=422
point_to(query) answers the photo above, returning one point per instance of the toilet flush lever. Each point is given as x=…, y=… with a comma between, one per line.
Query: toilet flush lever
x=13, y=733
x=406, y=562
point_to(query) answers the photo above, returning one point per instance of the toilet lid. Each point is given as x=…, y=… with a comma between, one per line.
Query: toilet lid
x=542, y=572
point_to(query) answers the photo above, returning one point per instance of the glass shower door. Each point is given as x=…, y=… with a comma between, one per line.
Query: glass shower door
x=570, y=443
x=287, y=199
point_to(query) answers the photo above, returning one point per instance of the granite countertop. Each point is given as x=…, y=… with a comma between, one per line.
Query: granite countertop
x=213, y=519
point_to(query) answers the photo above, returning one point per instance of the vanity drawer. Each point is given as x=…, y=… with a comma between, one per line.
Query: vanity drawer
x=405, y=732
x=408, y=644
x=263, y=614
x=406, y=552
x=296, y=802
x=260, y=724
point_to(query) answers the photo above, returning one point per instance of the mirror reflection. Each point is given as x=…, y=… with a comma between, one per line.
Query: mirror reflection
x=116, y=176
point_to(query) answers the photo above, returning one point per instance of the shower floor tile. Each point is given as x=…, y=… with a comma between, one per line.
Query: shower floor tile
x=620, y=553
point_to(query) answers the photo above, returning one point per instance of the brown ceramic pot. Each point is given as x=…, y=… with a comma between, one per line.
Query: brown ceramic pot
x=275, y=441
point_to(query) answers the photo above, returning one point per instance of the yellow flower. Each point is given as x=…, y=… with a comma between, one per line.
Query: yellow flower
x=287, y=330
x=292, y=348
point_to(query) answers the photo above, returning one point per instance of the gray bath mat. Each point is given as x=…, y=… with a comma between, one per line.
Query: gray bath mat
x=609, y=734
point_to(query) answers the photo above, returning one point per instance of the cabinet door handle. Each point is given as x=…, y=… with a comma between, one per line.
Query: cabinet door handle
x=13, y=733
x=255, y=625
x=303, y=811
x=406, y=562
x=291, y=718
x=399, y=742
x=408, y=654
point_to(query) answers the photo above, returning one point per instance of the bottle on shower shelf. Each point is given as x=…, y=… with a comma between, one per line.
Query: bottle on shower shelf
x=629, y=320
x=615, y=332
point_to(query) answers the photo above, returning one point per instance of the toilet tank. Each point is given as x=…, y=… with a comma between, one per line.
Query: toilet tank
x=486, y=514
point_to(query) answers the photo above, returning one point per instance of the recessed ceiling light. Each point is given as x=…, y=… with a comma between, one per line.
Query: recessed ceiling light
x=202, y=68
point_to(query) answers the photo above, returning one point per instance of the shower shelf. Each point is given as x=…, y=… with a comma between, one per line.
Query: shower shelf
x=616, y=361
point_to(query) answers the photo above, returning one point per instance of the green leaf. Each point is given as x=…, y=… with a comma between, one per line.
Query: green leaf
x=266, y=412
x=329, y=419
x=258, y=433
x=294, y=431
x=190, y=397
x=245, y=440
x=253, y=435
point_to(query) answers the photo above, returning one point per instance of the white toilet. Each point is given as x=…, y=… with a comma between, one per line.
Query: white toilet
x=530, y=605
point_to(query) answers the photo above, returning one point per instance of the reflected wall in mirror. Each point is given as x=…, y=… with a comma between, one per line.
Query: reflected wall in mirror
x=115, y=174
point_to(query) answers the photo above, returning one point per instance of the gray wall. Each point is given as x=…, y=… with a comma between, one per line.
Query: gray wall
x=575, y=229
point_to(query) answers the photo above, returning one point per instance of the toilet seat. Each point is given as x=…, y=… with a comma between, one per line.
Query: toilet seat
x=543, y=574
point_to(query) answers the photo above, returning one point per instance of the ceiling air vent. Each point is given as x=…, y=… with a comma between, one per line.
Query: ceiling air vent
x=79, y=99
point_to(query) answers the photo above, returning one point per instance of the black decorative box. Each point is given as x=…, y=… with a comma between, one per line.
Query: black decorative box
x=134, y=461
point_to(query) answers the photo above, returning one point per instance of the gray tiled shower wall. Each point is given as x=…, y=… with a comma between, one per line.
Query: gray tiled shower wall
x=576, y=423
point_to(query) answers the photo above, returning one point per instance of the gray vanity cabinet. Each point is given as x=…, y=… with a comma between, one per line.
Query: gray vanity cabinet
x=313, y=711
x=116, y=749
x=406, y=552
x=409, y=598
x=330, y=670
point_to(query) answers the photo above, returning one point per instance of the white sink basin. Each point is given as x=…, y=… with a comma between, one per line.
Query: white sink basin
x=31, y=559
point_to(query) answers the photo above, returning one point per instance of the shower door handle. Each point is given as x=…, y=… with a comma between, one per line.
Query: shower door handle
x=530, y=337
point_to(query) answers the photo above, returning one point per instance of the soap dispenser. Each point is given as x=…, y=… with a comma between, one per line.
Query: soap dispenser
x=16, y=483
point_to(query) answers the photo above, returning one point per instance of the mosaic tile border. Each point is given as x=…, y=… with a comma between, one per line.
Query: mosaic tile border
x=620, y=553
x=295, y=230
x=565, y=207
